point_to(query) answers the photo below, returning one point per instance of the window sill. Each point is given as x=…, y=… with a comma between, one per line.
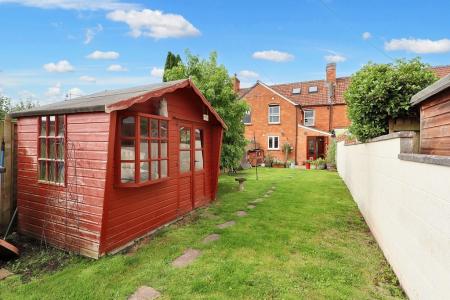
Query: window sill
x=312, y=125
x=137, y=185
x=248, y=124
x=276, y=123
x=51, y=183
x=273, y=149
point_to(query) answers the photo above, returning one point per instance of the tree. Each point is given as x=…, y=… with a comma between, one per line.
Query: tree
x=5, y=106
x=172, y=60
x=215, y=83
x=379, y=92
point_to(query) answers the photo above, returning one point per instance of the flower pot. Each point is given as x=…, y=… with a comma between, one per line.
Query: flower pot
x=307, y=165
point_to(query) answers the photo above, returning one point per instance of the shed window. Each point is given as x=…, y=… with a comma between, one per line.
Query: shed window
x=273, y=143
x=274, y=114
x=309, y=117
x=143, y=149
x=52, y=150
x=199, y=149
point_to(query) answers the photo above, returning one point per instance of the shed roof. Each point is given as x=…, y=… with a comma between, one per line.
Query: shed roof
x=431, y=90
x=112, y=100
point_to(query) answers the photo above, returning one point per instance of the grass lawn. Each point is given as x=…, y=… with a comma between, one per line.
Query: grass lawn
x=307, y=240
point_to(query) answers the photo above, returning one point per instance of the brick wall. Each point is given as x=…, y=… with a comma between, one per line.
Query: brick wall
x=259, y=99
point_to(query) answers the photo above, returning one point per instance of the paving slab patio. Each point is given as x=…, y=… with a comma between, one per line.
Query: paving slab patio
x=211, y=238
x=145, y=293
x=226, y=224
x=186, y=258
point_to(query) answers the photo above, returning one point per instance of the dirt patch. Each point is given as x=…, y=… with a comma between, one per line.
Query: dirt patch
x=36, y=259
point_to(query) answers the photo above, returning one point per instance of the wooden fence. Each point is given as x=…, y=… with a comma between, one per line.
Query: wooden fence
x=7, y=177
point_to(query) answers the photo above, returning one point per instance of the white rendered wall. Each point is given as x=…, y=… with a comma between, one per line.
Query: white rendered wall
x=407, y=207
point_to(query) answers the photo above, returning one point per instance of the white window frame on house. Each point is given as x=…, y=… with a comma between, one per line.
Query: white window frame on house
x=273, y=115
x=313, y=89
x=309, y=120
x=273, y=137
x=248, y=114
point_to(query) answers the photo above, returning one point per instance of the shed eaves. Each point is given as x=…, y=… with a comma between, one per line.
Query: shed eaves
x=94, y=102
x=431, y=90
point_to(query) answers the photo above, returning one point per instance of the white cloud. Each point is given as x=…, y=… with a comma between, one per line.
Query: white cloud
x=273, y=55
x=75, y=4
x=248, y=74
x=54, y=91
x=154, y=23
x=335, y=58
x=62, y=66
x=91, y=32
x=421, y=46
x=366, y=35
x=87, y=78
x=157, y=72
x=103, y=55
x=74, y=93
x=116, y=68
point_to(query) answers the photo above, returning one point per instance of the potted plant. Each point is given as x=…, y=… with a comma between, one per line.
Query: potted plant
x=286, y=149
x=308, y=164
x=278, y=163
x=320, y=164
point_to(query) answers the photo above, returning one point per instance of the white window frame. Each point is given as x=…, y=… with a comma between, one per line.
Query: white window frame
x=313, y=117
x=248, y=112
x=273, y=142
x=274, y=115
x=313, y=89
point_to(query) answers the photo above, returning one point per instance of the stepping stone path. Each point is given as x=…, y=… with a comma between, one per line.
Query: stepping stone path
x=258, y=200
x=251, y=206
x=241, y=213
x=145, y=293
x=266, y=195
x=5, y=273
x=269, y=192
x=187, y=258
x=211, y=238
x=226, y=224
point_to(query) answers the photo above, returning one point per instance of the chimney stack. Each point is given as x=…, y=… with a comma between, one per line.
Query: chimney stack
x=236, y=83
x=331, y=73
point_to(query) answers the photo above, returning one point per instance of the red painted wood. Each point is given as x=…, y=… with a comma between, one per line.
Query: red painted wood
x=67, y=217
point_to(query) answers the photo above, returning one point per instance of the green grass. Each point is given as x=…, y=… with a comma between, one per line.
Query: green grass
x=306, y=241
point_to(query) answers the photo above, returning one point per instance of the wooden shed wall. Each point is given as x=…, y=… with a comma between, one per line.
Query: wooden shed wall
x=66, y=217
x=133, y=212
x=435, y=124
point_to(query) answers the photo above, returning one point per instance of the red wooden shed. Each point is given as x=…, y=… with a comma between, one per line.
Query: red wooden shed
x=99, y=171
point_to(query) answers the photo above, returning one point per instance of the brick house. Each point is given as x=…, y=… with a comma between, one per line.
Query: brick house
x=303, y=114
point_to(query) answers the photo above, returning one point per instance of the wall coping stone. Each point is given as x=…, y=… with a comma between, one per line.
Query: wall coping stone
x=426, y=159
x=409, y=142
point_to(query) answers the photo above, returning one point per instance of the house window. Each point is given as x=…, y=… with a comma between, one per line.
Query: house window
x=313, y=89
x=309, y=117
x=143, y=149
x=296, y=91
x=51, y=145
x=274, y=114
x=248, y=117
x=273, y=143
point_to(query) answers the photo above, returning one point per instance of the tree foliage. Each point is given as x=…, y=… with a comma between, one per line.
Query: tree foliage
x=6, y=106
x=172, y=60
x=379, y=92
x=215, y=83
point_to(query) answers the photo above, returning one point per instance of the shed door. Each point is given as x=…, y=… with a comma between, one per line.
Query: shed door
x=199, y=166
x=185, y=161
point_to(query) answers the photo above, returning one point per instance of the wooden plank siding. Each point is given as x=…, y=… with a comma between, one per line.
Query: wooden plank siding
x=66, y=217
x=133, y=212
x=435, y=124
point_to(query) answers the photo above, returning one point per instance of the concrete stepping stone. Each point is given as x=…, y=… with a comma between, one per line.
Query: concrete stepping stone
x=5, y=273
x=266, y=195
x=226, y=224
x=269, y=192
x=145, y=293
x=257, y=200
x=186, y=258
x=251, y=206
x=211, y=238
x=241, y=213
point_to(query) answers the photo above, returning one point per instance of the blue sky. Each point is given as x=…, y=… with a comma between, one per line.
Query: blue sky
x=53, y=48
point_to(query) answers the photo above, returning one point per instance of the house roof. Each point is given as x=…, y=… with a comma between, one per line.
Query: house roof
x=321, y=96
x=431, y=90
x=113, y=100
